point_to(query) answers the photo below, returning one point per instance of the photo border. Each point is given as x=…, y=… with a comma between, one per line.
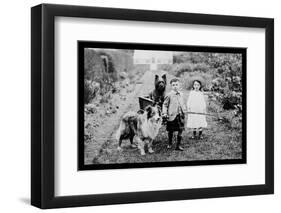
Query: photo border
x=43, y=108
x=81, y=45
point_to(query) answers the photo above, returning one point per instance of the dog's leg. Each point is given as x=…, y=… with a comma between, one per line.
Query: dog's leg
x=149, y=145
x=119, y=135
x=132, y=141
x=141, y=145
x=119, y=146
x=120, y=142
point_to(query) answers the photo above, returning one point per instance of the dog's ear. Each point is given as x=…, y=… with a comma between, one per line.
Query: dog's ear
x=141, y=111
x=164, y=78
x=156, y=77
x=148, y=109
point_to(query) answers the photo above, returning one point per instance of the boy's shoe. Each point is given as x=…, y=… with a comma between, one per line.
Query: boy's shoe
x=179, y=148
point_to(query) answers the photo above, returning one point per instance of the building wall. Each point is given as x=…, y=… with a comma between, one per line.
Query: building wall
x=151, y=57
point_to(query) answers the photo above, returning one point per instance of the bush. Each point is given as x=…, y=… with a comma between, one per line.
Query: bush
x=222, y=74
x=105, y=98
x=118, y=62
x=165, y=67
x=201, y=67
x=228, y=82
x=94, y=67
x=90, y=90
x=232, y=120
x=191, y=57
x=109, y=65
x=104, y=67
x=179, y=69
x=138, y=70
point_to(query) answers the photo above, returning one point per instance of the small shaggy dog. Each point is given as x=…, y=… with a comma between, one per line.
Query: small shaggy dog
x=143, y=126
x=158, y=94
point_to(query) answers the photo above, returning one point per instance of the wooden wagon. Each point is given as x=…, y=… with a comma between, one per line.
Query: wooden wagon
x=144, y=102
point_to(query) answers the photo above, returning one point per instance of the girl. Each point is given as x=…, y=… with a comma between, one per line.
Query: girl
x=196, y=104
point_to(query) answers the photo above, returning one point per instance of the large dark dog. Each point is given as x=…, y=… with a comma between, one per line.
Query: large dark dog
x=143, y=126
x=158, y=94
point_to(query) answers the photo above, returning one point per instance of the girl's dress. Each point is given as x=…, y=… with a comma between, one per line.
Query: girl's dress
x=196, y=103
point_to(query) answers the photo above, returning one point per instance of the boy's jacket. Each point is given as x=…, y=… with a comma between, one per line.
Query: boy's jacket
x=173, y=105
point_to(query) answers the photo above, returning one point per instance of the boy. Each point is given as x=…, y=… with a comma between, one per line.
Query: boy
x=173, y=109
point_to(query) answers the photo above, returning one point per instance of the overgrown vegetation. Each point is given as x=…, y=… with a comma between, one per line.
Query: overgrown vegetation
x=222, y=75
x=103, y=68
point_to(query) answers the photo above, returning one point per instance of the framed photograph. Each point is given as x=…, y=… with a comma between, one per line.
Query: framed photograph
x=141, y=106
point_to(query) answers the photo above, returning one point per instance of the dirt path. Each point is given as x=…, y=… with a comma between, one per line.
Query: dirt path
x=219, y=142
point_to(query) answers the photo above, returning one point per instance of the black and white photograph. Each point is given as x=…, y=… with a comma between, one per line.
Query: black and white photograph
x=160, y=105
x=142, y=105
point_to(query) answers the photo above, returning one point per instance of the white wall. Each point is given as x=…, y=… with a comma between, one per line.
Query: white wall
x=15, y=107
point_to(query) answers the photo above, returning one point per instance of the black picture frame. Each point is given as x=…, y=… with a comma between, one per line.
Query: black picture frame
x=43, y=105
x=81, y=45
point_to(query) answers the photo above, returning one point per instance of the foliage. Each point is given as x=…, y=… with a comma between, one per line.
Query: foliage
x=222, y=74
x=182, y=68
x=94, y=69
x=116, y=62
x=228, y=81
x=227, y=86
x=165, y=67
x=91, y=89
x=102, y=70
x=191, y=57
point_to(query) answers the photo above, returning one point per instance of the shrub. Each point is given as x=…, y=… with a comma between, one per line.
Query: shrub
x=191, y=57
x=138, y=70
x=103, y=66
x=118, y=62
x=165, y=67
x=232, y=119
x=201, y=67
x=105, y=98
x=87, y=93
x=180, y=69
x=90, y=90
x=93, y=66
x=109, y=65
x=222, y=74
x=228, y=81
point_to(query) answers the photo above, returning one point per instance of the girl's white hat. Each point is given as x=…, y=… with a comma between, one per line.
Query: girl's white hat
x=196, y=78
